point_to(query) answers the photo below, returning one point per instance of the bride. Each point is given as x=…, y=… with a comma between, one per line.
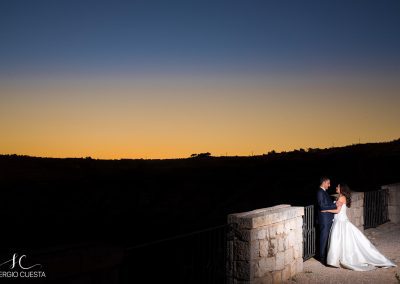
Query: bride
x=348, y=246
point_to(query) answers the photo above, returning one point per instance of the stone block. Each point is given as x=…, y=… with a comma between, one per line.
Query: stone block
x=293, y=268
x=271, y=263
x=245, y=223
x=261, y=221
x=243, y=270
x=276, y=277
x=281, y=244
x=254, y=250
x=265, y=216
x=286, y=273
x=246, y=250
x=286, y=243
x=299, y=265
x=264, y=266
x=292, y=223
x=264, y=246
x=272, y=231
x=298, y=250
x=288, y=227
x=291, y=238
x=261, y=234
x=298, y=237
x=245, y=235
x=288, y=256
x=252, y=234
x=267, y=279
x=279, y=261
x=241, y=250
x=299, y=223
x=280, y=229
x=260, y=268
x=272, y=247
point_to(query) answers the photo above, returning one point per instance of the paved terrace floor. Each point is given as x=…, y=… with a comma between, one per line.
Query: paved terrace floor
x=387, y=240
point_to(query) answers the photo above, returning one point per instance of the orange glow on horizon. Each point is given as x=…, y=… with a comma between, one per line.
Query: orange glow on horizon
x=174, y=120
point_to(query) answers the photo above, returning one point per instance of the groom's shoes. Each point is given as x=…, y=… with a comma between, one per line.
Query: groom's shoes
x=323, y=261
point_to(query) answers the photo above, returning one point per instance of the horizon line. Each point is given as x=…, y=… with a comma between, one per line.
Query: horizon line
x=213, y=156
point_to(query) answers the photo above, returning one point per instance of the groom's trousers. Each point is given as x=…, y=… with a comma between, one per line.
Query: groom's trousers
x=324, y=221
x=324, y=230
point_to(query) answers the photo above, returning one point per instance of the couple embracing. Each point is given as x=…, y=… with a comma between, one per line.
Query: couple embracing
x=341, y=243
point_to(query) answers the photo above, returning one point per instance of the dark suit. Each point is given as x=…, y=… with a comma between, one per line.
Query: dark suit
x=324, y=220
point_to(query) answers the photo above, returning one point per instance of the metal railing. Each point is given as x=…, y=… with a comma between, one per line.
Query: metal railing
x=308, y=232
x=376, y=208
x=197, y=257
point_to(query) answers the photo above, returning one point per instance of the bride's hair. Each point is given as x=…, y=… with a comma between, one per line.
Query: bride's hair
x=345, y=190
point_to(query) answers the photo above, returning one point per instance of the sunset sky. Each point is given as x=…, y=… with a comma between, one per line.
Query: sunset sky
x=165, y=79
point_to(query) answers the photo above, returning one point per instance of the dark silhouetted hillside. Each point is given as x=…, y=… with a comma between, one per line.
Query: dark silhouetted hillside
x=135, y=201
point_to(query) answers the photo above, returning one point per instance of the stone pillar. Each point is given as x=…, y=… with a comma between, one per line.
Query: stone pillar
x=393, y=202
x=356, y=211
x=266, y=245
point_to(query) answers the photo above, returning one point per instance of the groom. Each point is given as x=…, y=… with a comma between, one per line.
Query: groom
x=325, y=219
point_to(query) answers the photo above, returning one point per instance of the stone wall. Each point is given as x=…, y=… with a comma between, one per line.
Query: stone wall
x=356, y=211
x=393, y=202
x=266, y=245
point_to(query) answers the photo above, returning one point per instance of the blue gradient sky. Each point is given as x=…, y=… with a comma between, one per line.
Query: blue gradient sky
x=263, y=53
x=194, y=36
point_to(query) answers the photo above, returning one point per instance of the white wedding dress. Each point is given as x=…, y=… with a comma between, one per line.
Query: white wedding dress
x=350, y=248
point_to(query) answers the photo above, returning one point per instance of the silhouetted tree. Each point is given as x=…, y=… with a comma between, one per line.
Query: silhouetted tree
x=201, y=155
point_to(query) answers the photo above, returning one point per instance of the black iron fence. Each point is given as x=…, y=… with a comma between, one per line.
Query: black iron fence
x=376, y=208
x=197, y=257
x=308, y=232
